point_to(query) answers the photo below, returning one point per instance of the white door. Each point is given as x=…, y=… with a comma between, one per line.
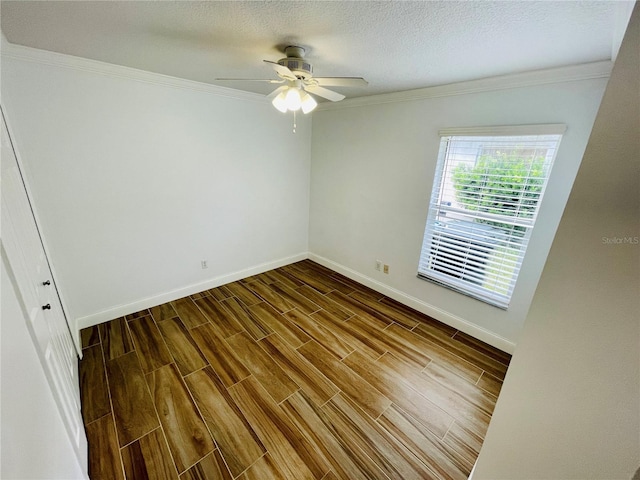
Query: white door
x=47, y=322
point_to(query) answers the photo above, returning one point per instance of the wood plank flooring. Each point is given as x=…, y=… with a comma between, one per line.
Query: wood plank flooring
x=296, y=373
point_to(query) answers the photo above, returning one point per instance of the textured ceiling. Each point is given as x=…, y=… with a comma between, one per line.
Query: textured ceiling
x=395, y=45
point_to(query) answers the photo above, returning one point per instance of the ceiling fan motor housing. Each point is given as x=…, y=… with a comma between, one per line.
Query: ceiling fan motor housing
x=294, y=62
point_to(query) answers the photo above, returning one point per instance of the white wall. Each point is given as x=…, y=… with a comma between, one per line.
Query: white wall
x=372, y=174
x=570, y=404
x=136, y=181
x=34, y=442
x=137, y=177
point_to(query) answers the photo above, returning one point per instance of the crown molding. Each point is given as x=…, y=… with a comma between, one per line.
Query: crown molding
x=572, y=73
x=60, y=60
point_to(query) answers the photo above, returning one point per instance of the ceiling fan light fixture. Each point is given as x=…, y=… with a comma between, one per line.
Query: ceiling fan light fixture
x=295, y=76
x=308, y=103
x=293, y=99
x=280, y=102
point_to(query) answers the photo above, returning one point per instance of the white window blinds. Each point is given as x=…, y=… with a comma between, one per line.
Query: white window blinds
x=488, y=186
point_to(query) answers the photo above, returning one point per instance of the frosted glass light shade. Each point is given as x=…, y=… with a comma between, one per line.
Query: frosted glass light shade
x=280, y=103
x=293, y=100
x=308, y=103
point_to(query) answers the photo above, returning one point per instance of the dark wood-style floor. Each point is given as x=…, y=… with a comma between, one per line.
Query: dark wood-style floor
x=297, y=373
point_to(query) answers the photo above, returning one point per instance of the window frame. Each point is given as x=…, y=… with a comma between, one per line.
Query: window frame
x=434, y=249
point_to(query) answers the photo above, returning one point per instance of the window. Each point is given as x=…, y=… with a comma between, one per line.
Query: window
x=488, y=186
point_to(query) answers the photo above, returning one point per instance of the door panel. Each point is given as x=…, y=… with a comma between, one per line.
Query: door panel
x=47, y=326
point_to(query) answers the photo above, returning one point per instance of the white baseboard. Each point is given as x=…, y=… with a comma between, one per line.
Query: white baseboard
x=419, y=305
x=415, y=303
x=148, y=302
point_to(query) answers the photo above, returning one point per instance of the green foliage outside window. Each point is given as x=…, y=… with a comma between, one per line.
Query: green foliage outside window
x=502, y=183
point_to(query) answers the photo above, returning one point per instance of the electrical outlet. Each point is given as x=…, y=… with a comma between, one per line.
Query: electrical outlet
x=386, y=268
x=378, y=265
x=203, y=264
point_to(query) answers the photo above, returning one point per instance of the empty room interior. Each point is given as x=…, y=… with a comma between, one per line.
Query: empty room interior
x=320, y=240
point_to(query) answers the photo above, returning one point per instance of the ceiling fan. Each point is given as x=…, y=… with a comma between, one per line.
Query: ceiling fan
x=296, y=75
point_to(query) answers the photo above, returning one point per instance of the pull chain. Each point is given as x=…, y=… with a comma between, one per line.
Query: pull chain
x=294, y=121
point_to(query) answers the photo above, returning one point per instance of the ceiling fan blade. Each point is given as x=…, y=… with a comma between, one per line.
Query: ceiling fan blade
x=247, y=80
x=276, y=92
x=283, y=71
x=341, y=81
x=324, y=93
